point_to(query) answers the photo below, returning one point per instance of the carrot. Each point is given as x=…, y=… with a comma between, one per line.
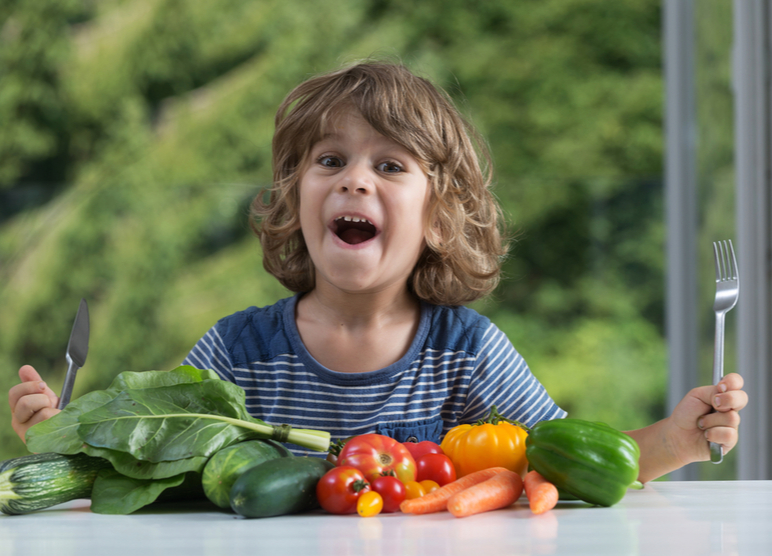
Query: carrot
x=437, y=501
x=499, y=491
x=542, y=495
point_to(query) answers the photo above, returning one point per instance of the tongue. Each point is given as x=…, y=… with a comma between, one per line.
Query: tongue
x=353, y=236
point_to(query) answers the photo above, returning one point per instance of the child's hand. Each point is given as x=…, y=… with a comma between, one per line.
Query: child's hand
x=695, y=423
x=31, y=402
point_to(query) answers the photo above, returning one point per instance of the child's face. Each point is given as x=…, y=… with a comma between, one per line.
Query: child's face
x=355, y=173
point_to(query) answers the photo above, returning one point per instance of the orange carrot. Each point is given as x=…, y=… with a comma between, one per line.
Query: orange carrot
x=499, y=491
x=542, y=495
x=437, y=501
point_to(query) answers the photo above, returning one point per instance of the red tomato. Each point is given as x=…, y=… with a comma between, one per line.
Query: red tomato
x=339, y=489
x=391, y=490
x=437, y=468
x=420, y=449
x=376, y=455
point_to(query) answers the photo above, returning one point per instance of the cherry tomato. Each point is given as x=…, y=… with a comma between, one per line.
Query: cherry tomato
x=435, y=467
x=414, y=489
x=429, y=486
x=420, y=449
x=369, y=504
x=340, y=488
x=391, y=490
x=376, y=455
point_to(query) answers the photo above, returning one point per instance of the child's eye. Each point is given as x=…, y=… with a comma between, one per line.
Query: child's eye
x=330, y=161
x=389, y=167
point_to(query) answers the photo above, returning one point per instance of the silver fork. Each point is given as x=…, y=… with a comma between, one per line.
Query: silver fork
x=727, y=292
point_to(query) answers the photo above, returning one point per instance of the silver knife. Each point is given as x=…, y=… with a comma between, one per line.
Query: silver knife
x=77, y=349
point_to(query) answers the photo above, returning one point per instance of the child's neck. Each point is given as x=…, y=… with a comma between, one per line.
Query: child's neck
x=360, y=309
x=357, y=332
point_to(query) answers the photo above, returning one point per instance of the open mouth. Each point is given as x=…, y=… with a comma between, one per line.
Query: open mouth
x=354, y=230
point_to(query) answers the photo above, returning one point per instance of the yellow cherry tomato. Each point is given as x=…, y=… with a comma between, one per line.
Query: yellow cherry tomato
x=495, y=443
x=429, y=485
x=413, y=489
x=369, y=504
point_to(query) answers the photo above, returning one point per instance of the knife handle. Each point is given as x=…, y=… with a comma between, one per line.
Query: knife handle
x=69, y=381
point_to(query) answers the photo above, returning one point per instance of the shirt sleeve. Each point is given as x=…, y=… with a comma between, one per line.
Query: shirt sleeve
x=210, y=352
x=502, y=378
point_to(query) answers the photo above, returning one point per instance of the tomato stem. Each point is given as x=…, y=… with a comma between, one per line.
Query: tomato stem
x=337, y=446
x=360, y=485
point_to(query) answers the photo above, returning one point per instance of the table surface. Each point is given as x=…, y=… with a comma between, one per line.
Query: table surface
x=683, y=518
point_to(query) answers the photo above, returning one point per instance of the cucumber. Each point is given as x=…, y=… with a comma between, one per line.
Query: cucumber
x=227, y=465
x=279, y=487
x=39, y=481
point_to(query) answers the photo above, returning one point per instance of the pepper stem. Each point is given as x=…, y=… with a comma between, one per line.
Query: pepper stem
x=494, y=418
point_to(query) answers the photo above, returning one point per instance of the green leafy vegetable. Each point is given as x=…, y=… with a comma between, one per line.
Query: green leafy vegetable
x=60, y=433
x=115, y=493
x=161, y=416
x=169, y=423
x=130, y=466
x=155, y=427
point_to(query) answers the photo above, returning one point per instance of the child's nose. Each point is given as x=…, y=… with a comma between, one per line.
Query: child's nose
x=358, y=179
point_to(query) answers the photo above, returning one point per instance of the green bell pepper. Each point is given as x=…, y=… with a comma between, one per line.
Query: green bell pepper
x=591, y=461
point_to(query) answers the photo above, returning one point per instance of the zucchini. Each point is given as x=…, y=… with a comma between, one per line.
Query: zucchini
x=227, y=465
x=279, y=487
x=38, y=481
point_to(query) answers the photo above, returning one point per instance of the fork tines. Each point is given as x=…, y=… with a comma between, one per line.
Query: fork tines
x=726, y=263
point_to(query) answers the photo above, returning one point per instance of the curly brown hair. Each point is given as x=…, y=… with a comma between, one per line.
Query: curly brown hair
x=465, y=242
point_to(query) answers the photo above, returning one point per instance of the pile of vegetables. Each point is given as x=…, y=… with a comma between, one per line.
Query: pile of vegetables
x=149, y=432
x=182, y=434
x=483, y=467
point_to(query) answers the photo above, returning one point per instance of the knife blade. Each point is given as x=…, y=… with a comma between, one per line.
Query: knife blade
x=77, y=349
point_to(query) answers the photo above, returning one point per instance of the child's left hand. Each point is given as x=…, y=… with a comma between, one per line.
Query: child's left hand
x=695, y=423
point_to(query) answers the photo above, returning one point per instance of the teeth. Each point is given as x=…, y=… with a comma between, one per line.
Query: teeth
x=352, y=219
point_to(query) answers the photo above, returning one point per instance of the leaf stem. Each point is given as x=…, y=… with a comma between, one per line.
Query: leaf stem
x=307, y=438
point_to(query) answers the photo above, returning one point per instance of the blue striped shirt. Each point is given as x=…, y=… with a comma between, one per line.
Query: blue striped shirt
x=458, y=366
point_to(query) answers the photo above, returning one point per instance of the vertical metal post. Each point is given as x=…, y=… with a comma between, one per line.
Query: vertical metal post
x=681, y=205
x=753, y=151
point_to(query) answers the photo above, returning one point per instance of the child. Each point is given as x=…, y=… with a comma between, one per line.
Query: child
x=382, y=221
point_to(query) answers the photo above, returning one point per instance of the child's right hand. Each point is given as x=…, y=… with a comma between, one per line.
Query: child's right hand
x=31, y=402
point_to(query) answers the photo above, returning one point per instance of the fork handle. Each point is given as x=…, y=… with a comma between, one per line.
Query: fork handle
x=717, y=450
x=718, y=349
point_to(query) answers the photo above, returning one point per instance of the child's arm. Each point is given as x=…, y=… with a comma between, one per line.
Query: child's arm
x=31, y=402
x=683, y=437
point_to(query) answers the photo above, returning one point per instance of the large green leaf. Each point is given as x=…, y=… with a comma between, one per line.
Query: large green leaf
x=114, y=493
x=60, y=433
x=183, y=374
x=139, y=469
x=172, y=423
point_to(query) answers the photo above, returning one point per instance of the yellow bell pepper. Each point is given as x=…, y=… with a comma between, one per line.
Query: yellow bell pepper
x=492, y=442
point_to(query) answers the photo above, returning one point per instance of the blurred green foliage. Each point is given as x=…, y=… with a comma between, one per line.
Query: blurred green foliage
x=133, y=134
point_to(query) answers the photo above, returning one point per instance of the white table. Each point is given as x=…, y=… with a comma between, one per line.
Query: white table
x=680, y=518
